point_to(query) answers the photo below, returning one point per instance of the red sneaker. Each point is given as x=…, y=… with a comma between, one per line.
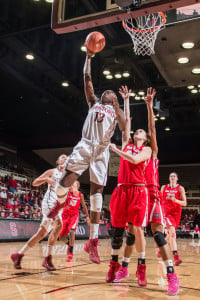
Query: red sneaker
x=69, y=255
x=16, y=258
x=140, y=274
x=114, y=268
x=177, y=260
x=55, y=209
x=173, y=284
x=47, y=263
x=91, y=248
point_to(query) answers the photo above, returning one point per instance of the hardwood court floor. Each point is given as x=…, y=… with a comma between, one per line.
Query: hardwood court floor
x=83, y=280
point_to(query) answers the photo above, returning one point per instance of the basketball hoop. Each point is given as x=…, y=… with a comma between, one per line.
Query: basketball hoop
x=144, y=30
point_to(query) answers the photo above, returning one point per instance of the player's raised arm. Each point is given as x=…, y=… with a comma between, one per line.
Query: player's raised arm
x=44, y=178
x=88, y=86
x=125, y=93
x=151, y=121
x=134, y=159
x=119, y=114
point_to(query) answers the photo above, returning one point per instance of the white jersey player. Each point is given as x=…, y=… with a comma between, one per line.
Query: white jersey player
x=51, y=177
x=93, y=152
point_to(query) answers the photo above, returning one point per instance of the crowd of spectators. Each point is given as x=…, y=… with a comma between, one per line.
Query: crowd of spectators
x=19, y=200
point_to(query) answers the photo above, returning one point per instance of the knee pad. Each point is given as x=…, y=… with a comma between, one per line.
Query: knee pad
x=96, y=201
x=117, y=237
x=159, y=239
x=130, y=239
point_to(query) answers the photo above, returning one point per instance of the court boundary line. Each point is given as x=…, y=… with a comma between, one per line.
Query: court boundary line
x=98, y=283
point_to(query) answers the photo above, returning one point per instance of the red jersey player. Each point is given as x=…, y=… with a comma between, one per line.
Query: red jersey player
x=156, y=212
x=129, y=201
x=174, y=198
x=70, y=216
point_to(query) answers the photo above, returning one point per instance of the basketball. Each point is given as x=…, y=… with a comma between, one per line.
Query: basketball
x=95, y=42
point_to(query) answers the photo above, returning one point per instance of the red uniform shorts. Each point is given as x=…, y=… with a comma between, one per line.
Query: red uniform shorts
x=172, y=219
x=156, y=211
x=129, y=203
x=69, y=222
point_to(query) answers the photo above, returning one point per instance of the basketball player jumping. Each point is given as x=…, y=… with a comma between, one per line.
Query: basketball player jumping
x=92, y=151
x=70, y=217
x=174, y=198
x=129, y=201
x=51, y=177
x=156, y=213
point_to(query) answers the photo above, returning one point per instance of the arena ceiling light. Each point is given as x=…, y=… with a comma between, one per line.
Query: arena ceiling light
x=137, y=97
x=65, y=83
x=190, y=87
x=132, y=94
x=187, y=45
x=196, y=71
x=83, y=48
x=183, y=60
x=30, y=56
x=194, y=91
x=49, y=1
x=126, y=74
x=118, y=75
x=141, y=93
x=155, y=119
x=198, y=85
x=163, y=118
x=109, y=76
x=167, y=129
x=106, y=72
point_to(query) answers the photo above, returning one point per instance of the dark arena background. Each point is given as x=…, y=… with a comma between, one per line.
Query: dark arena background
x=42, y=112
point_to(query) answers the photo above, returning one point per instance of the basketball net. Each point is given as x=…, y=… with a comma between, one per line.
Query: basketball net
x=144, y=30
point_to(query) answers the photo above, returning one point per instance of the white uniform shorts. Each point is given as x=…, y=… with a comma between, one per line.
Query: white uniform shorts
x=96, y=157
x=47, y=223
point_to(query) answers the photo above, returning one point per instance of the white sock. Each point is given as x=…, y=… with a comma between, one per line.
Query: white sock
x=115, y=252
x=126, y=259
x=168, y=263
x=141, y=255
x=49, y=250
x=24, y=249
x=94, y=230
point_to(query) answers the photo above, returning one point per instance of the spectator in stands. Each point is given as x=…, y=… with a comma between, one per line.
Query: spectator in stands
x=12, y=185
x=22, y=199
x=16, y=213
x=196, y=232
x=10, y=215
x=10, y=204
x=2, y=215
x=3, y=194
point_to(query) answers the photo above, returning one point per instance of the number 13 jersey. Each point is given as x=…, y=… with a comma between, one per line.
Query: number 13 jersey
x=100, y=124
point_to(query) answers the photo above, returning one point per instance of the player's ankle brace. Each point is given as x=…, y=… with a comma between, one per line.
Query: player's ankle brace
x=61, y=192
x=96, y=202
x=130, y=239
x=159, y=239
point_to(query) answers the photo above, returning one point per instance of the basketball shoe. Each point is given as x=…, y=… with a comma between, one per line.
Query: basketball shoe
x=177, y=260
x=140, y=274
x=114, y=268
x=173, y=284
x=69, y=255
x=16, y=258
x=91, y=248
x=122, y=273
x=47, y=263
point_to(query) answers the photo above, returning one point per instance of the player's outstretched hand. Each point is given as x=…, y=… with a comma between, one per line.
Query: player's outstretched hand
x=113, y=147
x=124, y=92
x=90, y=54
x=150, y=95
